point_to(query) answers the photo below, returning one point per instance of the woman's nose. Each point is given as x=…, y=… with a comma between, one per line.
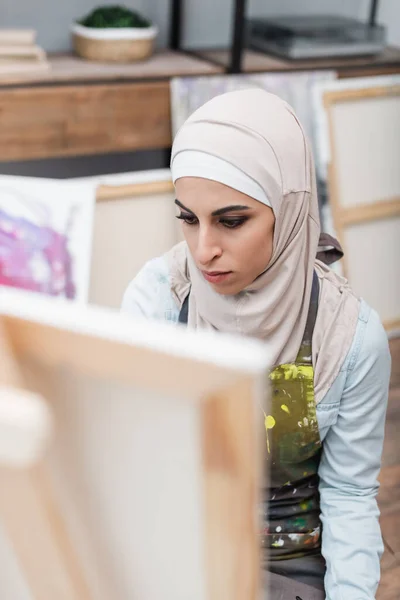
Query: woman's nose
x=208, y=247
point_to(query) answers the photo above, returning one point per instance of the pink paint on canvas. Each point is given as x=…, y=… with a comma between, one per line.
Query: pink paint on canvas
x=34, y=258
x=43, y=243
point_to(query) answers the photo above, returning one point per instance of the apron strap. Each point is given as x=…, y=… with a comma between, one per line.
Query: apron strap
x=305, y=353
x=184, y=312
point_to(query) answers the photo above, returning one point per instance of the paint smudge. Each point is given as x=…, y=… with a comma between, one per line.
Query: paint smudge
x=34, y=257
x=269, y=423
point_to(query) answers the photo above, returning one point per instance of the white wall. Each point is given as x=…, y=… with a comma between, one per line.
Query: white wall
x=207, y=22
x=389, y=14
x=52, y=18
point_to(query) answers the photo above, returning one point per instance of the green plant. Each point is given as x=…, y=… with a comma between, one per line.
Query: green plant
x=113, y=16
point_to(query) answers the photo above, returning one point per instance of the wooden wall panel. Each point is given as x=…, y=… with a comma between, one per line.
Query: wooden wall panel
x=75, y=120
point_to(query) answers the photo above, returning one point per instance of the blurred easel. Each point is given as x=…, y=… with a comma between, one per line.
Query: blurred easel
x=27, y=509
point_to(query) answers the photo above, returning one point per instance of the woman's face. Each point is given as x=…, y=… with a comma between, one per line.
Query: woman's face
x=229, y=234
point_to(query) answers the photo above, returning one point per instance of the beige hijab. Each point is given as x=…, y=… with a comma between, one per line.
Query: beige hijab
x=259, y=133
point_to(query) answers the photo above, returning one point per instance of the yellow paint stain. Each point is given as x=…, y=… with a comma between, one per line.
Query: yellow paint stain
x=269, y=422
x=285, y=409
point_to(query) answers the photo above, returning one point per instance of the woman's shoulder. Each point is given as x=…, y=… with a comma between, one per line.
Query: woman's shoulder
x=370, y=339
x=368, y=356
x=361, y=386
x=149, y=294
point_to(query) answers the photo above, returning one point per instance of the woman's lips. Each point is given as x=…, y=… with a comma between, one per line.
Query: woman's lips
x=216, y=276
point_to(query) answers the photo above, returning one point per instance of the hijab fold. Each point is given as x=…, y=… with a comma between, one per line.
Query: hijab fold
x=258, y=133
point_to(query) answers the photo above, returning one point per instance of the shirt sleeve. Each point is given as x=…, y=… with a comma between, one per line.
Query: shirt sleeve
x=149, y=294
x=350, y=463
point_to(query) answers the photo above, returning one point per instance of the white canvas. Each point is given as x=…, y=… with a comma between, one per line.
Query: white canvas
x=373, y=251
x=358, y=136
x=127, y=461
x=129, y=229
x=322, y=142
x=357, y=123
x=46, y=235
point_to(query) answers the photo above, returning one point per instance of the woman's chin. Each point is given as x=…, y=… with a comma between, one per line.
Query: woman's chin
x=227, y=288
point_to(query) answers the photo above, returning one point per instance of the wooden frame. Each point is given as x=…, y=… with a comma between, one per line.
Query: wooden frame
x=347, y=216
x=224, y=382
x=105, y=192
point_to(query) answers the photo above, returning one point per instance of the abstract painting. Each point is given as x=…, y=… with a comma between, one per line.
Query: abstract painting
x=46, y=235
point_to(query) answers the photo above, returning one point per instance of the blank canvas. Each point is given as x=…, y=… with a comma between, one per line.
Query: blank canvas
x=156, y=456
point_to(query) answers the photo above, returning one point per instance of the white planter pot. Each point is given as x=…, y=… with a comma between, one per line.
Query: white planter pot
x=119, y=44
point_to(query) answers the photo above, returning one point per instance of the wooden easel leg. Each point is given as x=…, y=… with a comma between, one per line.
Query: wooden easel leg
x=230, y=480
x=35, y=529
x=31, y=519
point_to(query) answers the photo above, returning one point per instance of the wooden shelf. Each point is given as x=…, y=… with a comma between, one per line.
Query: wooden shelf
x=74, y=120
x=257, y=62
x=68, y=68
x=80, y=107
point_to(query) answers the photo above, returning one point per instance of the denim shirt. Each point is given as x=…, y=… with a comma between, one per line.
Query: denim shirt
x=351, y=419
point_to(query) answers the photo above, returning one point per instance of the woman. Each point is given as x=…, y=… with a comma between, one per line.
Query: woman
x=246, y=194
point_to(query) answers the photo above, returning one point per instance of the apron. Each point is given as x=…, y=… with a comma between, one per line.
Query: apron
x=290, y=523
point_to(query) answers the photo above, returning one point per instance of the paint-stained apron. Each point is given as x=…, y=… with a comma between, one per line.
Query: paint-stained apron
x=290, y=519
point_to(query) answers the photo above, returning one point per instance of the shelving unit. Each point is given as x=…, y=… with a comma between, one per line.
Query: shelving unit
x=81, y=108
x=236, y=58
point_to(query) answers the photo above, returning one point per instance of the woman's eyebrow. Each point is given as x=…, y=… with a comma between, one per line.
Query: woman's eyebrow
x=182, y=206
x=226, y=209
x=219, y=211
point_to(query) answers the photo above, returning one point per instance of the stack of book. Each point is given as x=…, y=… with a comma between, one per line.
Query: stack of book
x=19, y=52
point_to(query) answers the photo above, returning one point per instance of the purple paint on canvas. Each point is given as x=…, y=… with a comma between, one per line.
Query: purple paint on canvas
x=34, y=258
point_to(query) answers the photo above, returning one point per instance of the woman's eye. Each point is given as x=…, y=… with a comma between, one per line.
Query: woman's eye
x=188, y=219
x=232, y=223
x=228, y=223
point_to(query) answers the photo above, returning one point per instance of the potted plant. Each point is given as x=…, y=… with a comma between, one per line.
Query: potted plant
x=113, y=33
